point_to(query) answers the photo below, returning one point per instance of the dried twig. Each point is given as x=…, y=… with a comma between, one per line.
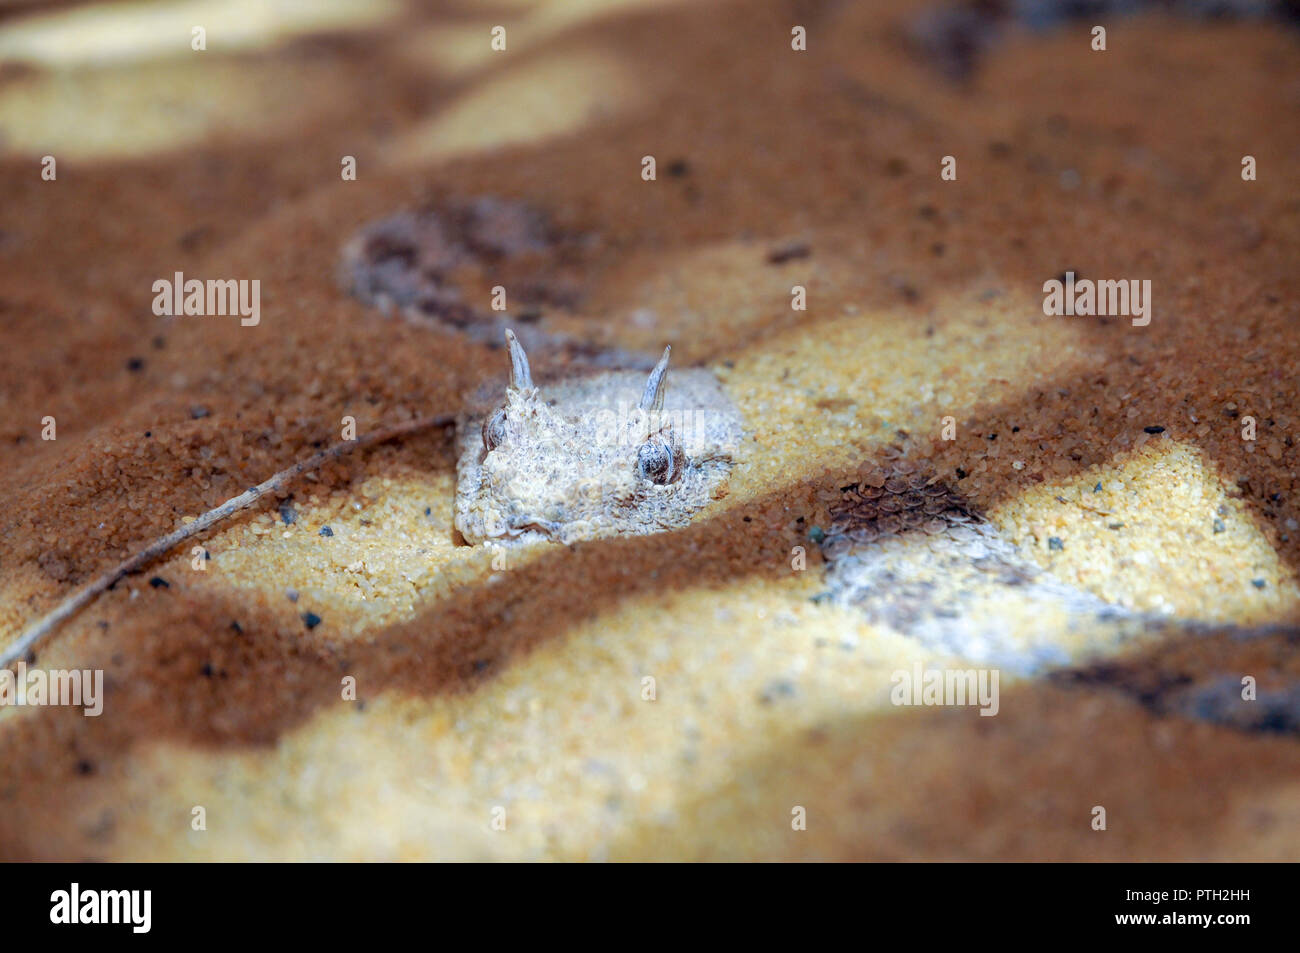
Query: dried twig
x=69, y=606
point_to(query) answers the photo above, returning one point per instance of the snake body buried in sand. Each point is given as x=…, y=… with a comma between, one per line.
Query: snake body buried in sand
x=566, y=461
x=559, y=463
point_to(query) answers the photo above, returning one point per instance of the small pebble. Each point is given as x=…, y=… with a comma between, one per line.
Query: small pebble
x=1054, y=542
x=1218, y=526
x=817, y=534
x=291, y=595
x=288, y=513
x=678, y=168
x=1258, y=583
x=789, y=252
x=158, y=582
x=135, y=365
x=1156, y=429
x=779, y=688
x=198, y=411
x=326, y=531
x=311, y=620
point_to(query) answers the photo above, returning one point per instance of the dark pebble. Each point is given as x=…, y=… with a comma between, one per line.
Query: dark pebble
x=1218, y=526
x=1054, y=542
x=678, y=168
x=1097, y=488
x=288, y=513
x=198, y=412
x=1258, y=583
x=206, y=670
x=85, y=767
x=158, y=582
x=789, y=252
x=326, y=531
x=1154, y=429
x=779, y=688
x=961, y=474
x=817, y=534
x=135, y=365
x=311, y=620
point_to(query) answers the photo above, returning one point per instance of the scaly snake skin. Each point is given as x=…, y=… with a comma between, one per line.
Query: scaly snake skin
x=914, y=556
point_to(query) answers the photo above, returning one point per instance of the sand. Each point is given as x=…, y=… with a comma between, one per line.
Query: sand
x=485, y=693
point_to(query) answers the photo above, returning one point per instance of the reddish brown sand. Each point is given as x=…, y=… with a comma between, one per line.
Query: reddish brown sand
x=523, y=688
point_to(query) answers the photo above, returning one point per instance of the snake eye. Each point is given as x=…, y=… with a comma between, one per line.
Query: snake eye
x=659, y=460
x=494, y=430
